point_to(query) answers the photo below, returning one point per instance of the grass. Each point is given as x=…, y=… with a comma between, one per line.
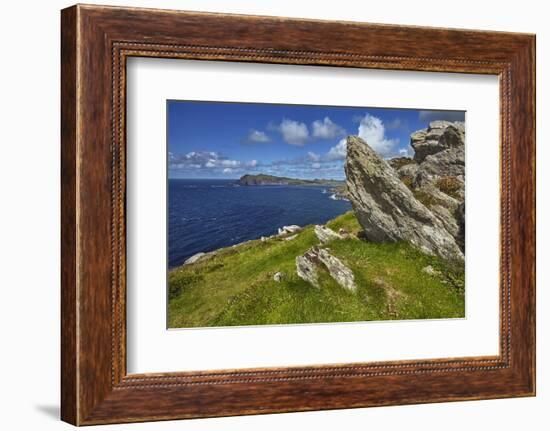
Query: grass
x=450, y=185
x=426, y=199
x=236, y=286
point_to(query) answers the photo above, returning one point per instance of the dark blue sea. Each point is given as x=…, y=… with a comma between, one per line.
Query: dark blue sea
x=204, y=215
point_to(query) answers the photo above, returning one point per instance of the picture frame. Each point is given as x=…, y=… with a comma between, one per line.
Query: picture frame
x=96, y=42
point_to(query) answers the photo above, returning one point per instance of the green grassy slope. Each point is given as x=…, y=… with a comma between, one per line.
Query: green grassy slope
x=236, y=286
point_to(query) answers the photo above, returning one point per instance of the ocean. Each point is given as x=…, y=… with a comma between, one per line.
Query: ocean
x=204, y=215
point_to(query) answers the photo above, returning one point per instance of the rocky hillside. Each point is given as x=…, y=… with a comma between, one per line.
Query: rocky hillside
x=418, y=200
x=314, y=274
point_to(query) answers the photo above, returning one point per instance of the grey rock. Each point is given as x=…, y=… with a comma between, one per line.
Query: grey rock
x=307, y=267
x=199, y=257
x=291, y=237
x=289, y=229
x=337, y=270
x=326, y=234
x=409, y=170
x=316, y=259
x=343, y=233
x=446, y=163
x=440, y=172
x=194, y=258
x=386, y=209
x=449, y=221
x=430, y=270
x=439, y=136
x=278, y=277
x=398, y=162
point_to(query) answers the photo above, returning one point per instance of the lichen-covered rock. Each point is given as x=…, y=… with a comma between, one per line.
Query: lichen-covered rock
x=307, y=267
x=337, y=270
x=439, y=136
x=387, y=209
x=326, y=234
x=398, y=162
x=446, y=163
x=409, y=170
x=316, y=259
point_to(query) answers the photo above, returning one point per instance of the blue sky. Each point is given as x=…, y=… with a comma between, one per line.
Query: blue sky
x=228, y=140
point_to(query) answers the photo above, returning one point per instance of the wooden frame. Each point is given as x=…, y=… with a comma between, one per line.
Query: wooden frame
x=96, y=41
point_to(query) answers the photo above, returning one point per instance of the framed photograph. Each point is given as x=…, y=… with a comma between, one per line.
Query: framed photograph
x=263, y=214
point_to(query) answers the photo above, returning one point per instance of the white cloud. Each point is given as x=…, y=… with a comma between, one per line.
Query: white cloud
x=338, y=152
x=316, y=165
x=326, y=129
x=229, y=163
x=372, y=131
x=294, y=132
x=313, y=156
x=257, y=136
x=208, y=161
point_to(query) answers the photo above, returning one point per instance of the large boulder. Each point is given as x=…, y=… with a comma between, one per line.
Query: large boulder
x=387, y=209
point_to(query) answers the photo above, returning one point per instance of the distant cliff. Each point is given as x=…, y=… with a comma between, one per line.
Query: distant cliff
x=271, y=180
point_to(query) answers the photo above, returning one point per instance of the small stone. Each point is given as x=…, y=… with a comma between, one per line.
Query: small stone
x=430, y=270
x=278, y=276
x=343, y=232
x=291, y=237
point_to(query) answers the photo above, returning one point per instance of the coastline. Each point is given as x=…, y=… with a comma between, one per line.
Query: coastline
x=256, y=282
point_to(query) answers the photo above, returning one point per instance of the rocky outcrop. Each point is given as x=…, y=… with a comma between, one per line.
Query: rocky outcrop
x=439, y=136
x=337, y=270
x=307, y=267
x=387, y=209
x=293, y=228
x=317, y=259
x=284, y=233
x=326, y=234
x=199, y=257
